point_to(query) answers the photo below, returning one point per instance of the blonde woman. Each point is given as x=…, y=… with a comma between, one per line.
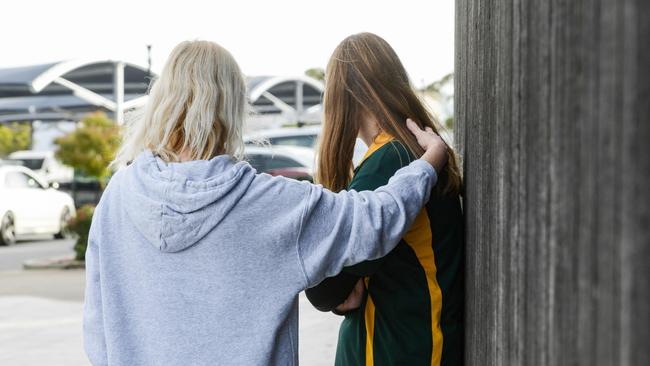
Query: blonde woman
x=193, y=258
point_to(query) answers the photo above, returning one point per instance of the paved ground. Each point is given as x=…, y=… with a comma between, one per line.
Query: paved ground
x=11, y=258
x=40, y=313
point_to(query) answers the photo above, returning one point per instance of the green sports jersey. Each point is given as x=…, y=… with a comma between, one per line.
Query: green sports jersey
x=412, y=313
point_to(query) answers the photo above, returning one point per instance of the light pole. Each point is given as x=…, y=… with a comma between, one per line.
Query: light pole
x=149, y=61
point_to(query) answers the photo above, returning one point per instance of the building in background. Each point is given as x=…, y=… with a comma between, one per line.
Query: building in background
x=54, y=96
x=284, y=101
x=66, y=90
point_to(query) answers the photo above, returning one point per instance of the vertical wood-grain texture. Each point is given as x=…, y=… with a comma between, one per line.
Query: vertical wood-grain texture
x=553, y=125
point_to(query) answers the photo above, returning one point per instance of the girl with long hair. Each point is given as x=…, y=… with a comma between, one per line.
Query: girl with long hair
x=411, y=301
x=195, y=259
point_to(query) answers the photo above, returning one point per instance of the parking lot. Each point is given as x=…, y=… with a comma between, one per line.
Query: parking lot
x=41, y=312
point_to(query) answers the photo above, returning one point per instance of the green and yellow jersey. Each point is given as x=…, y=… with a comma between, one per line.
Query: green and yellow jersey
x=412, y=312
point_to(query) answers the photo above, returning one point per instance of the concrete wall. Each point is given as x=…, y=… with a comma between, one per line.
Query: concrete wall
x=553, y=123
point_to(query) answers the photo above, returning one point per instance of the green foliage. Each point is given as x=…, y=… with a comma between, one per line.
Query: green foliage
x=449, y=123
x=80, y=226
x=316, y=73
x=14, y=137
x=91, y=147
x=436, y=86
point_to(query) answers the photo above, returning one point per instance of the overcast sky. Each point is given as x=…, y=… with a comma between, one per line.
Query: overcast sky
x=266, y=37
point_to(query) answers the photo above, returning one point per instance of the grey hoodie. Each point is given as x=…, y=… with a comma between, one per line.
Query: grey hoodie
x=200, y=263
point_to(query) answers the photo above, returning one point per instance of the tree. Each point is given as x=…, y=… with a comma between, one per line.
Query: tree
x=437, y=91
x=91, y=147
x=449, y=123
x=13, y=137
x=436, y=87
x=316, y=73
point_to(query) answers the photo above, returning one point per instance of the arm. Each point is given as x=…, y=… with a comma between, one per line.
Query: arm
x=93, y=324
x=342, y=229
x=334, y=291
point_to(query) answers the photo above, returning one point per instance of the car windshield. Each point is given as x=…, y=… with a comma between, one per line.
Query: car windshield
x=264, y=163
x=280, y=162
x=33, y=164
x=301, y=140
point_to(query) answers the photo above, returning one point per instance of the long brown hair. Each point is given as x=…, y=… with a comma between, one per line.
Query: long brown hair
x=365, y=78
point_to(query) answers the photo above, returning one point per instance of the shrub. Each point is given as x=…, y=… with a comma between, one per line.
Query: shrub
x=80, y=226
x=91, y=147
x=316, y=73
x=13, y=137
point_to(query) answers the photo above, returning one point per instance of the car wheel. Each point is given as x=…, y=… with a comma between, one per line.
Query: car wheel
x=64, y=232
x=7, y=230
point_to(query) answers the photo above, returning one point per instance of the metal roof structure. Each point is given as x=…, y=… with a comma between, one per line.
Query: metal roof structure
x=68, y=89
x=280, y=100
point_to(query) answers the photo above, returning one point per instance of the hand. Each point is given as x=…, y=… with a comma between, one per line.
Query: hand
x=354, y=299
x=435, y=148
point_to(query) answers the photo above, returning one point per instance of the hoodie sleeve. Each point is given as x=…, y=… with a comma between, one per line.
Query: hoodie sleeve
x=93, y=323
x=345, y=228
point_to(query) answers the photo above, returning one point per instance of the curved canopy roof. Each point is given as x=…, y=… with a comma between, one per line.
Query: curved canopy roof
x=297, y=97
x=66, y=89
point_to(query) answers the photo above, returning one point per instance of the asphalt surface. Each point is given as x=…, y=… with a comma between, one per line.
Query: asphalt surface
x=37, y=247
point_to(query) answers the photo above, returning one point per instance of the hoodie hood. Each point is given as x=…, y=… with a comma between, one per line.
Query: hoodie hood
x=174, y=205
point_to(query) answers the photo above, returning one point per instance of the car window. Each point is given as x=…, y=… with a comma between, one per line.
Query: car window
x=16, y=180
x=304, y=140
x=33, y=164
x=256, y=161
x=279, y=162
x=264, y=163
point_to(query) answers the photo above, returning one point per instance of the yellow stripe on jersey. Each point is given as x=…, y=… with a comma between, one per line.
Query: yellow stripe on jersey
x=369, y=314
x=419, y=239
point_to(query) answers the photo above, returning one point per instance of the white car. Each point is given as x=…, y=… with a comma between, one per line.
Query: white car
x=299, y=136
x=45, y=164
x=28, y=205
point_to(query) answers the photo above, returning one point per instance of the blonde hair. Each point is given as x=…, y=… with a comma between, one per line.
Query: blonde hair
x=196, y=106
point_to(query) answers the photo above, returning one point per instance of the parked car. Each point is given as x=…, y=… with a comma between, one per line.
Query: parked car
x=288, y=136
x=299, y=136
x=287, y=161
x=28, y=205
x=45, y=164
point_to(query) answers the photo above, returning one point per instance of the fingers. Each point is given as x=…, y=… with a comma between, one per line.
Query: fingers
x=413, y=127
x=416, y=130
x=359, y=287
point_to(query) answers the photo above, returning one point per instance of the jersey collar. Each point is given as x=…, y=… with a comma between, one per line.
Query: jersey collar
x=380, y=140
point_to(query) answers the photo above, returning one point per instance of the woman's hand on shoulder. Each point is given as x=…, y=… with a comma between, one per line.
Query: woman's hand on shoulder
x=435, y=148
